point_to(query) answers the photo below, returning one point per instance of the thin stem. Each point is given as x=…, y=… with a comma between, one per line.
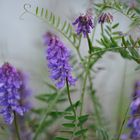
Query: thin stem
x=93, y=34
x=86, y=75
x=102, y=29
x=50, y=107
x=16, y=126
x=79, y=54
x=69, y=97
x=94, y=101
x=123, y=122
x=83, y=93
x=71, y=104
x=110, y=49
x=120, y=109
x=89, y=44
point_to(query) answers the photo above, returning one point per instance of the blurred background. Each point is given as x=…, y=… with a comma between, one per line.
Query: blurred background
x=21, y=43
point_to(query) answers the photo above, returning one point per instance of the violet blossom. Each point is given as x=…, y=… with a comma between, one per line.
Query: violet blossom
x=13, y=92
x=134, y=121
x=84, y=24
x=58, y=61
x=105, y=17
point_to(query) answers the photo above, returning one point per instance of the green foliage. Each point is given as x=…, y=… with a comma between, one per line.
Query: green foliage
x=120, y=7
x=116, y=41
x=64, y=28
x=60, y=138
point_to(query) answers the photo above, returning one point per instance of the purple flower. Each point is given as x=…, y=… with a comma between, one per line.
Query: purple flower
x=58, y=57
x=105, y=17
x=134, y=121
x=124, y=137
x=13, y=91
x=84, y=24
x=135, y=105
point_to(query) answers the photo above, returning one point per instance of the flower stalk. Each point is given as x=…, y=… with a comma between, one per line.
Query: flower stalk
x=69, y=97
x=16, y=126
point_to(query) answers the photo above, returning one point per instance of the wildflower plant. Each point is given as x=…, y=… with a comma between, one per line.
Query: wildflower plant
x=13, y=91
x=72, y=119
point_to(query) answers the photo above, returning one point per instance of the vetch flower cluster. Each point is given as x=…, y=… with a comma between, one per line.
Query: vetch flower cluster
x=58, y=61
x=134, y=121
x=84, y=24
x=105, y=17
x=13, y=90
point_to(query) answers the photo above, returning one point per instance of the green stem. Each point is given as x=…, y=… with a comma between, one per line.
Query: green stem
x=69, y=97
x=71, y=104
x=16, y=126
x=102, y=29
x=83, y=92
x=110, y=49
x=86, y=75
x=50, y=107
x=89, y=44
x=93, y=33
x=123, y=122
x=94, y=101
x=120, y=109
x=79, y=54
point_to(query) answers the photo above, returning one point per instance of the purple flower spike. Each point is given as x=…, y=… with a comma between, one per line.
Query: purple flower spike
x=13, y=91
x=84, y=24
x=105, y=17
x=134, y=121
x=58, y=57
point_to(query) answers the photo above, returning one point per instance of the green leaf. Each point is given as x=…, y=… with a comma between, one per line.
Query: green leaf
x=68, y=125
x=83, y=118
x=47, y=97
x=36, y=10
x=42, y=12
x=65, y=29
x=124, y=53
x=108, y=27
x=115, y=25
x=74, y=105
x=114, y=43
x=70, y=118
x=66, y=132
x=60, y=138
x=131, y=40
x=133, y=52
x=80, y=132
x=102, y=134
x=56, y=114
x=38, y=111
x=46, y=13
x=124, y=42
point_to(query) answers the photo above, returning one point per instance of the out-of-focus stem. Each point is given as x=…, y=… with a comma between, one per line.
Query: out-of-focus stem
x=83, y=92
x=120, y=107
x=89, y=44
x=123, y=122
x=16, y=126
x=69, y=97
x=94, y=101
x=102, y=29
x=50, y=107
